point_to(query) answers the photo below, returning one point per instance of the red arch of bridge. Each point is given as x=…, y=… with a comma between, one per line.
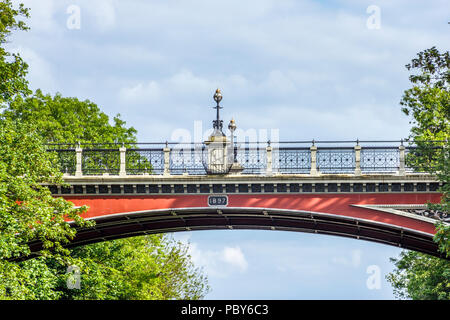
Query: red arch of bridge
x=130, y=215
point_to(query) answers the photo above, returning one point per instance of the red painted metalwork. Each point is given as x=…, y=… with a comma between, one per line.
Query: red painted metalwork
x=340, y=205
x=332, y=214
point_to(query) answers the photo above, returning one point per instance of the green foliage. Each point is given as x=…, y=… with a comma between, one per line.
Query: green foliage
x=428, y=102
x=442, y=237
x=417, y=275
x=28, y=211
x=69, y=120
x=433, y=69
x=146, y=267
x=152, y=267
x=12, y=68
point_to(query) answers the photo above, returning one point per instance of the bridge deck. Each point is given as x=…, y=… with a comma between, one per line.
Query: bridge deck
x=360, y=192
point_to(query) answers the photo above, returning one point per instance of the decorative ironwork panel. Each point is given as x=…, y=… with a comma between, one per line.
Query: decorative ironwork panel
x=200, y=159
x=253, y=160
x=99, y=161
x=144, y=161
x=335, y=160
x=291, y=160
x=66, y=160
x=188, y=160
x=375, y=159
x=434, y=214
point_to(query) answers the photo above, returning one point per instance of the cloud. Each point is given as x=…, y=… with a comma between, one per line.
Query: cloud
x=219, y=263
x=40, y=70
x=42, y=14
x=302, y=104
x=148, y=92
x=353, y=261
x=307, y=68
x=234, y=257
x=103, y=13
x=183, y=85
x=187, y=85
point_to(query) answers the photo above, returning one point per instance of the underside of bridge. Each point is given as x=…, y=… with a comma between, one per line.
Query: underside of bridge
x=123, y=225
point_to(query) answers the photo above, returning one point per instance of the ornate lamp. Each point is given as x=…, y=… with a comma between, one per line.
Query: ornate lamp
x=218, y=124
x=232, y=126
x=236, y=168
x=217, y=160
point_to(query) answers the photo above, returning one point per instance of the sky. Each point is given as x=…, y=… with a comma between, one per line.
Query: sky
x=324, y=70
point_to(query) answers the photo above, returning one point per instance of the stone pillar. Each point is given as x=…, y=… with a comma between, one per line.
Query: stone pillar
x=269, y=171
x=314, y=171
x=401, y=169
x=79, y=159
x=122, y=170
x=166, y=161
x=357, y=160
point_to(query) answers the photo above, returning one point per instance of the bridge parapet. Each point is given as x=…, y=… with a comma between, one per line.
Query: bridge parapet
x=312, y=158
x=364, y=190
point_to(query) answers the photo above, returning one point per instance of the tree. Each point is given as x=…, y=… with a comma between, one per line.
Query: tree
x=69, y=120
x=136, y=268
x=28, y=211
x=151, y=267
x=146, y=267
x=428, y=101
x=419, y=276
x=12, y=68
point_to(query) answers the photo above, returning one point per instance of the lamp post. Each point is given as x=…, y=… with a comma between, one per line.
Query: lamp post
x=232, y=126
x=236, y=168
x=218, y=124
x=219, y=156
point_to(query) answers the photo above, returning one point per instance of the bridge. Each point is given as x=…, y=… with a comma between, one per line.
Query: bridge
x=359, y=189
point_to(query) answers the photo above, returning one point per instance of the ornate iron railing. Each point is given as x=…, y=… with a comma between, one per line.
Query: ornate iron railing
x=375, y=159
x=252, y=159
x=188, y=160
x=303, y=157
x=66, y=160
x=332, y=160
x=293, y=160
x=100, y=161
x=144, y=161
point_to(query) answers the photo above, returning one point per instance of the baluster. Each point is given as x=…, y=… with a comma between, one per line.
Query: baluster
x=79, y=158
x=313, y=150
x=357, y=159
x=122, y=170
x=166, y=160
x=269, y=159
x=401, y=157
